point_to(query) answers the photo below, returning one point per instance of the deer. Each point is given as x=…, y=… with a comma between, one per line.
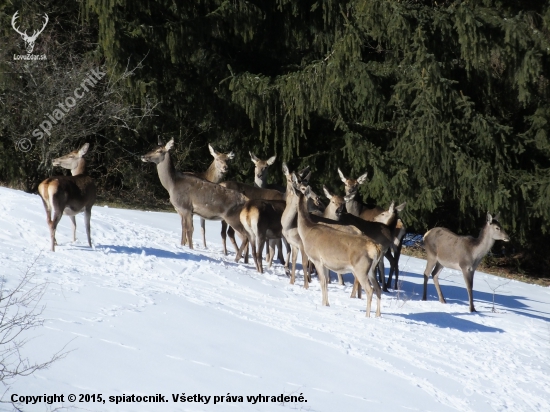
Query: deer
x=331, y=249
x=358, y=208
x=447, y=249
x=190, y=194
x=252, y=192
x=29, y=40
x=354, y=206
x=261, y=168
x=69, y=195
x=215, y=174
x=289, y=223
x=262, y=222
x=381, y=232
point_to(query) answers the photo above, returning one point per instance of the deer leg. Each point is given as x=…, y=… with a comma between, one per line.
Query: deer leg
x=203, y=232
x=271, y=243
x=323, y=274
x=239, y=253
x=305, y=267
x=294, y=258
x=189, y=229
x=469, y=279
x=238, y=250
x=280, y=256
x=261, y=241
x=224, y=237
x=87, y=218
x=382, y=273
x=57, y=209
x=394, y=267
x=73, y=222
x=430, y=265
x=372, y=279
x=340, y=279
x=435, y=275
x=183, y=230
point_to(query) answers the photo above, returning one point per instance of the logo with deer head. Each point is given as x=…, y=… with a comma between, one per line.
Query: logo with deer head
x=29, y=40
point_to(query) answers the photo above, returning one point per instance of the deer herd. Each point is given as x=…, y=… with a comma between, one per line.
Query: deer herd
x=346, y=236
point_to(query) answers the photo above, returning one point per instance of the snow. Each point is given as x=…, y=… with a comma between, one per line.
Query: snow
x=142, y=315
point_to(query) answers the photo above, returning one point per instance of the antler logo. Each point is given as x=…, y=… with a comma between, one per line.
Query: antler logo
x=29, y=40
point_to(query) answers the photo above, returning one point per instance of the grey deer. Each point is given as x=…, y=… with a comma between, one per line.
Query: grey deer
x=464, y=253
x=69, y=194
x=190, y=194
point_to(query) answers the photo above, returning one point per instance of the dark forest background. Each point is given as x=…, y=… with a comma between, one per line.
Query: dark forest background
x=444, y=103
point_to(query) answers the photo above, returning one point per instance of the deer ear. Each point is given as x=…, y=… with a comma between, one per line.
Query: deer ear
x=169, y=145
x=495, y=217
x=392, y=207
x=271, y=160
x=306, y=178
x=212, y=151
x=489, y=218
x=253, y=157
x=161, y=143
x=285, y=169
x=361, y=179
x=327, y=193
x=83, y=149
x=401, y=207
x=230, y=155
x=341, y=175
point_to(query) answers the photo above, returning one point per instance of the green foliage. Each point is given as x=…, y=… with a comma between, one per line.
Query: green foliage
x=445, y=104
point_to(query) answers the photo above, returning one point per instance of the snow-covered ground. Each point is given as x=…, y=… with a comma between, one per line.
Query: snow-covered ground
x=144, y=316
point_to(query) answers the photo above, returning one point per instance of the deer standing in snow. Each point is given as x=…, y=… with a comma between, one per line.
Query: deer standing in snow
x=215, y=174
x=69, y=194
x=464, y=253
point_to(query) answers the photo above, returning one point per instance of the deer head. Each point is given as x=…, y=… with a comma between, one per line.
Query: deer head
x=72, y=160
x=352, y=185
x=261, y=166
x=157, y=155
x=220, y=160
x=496, y=231
x=29, y=40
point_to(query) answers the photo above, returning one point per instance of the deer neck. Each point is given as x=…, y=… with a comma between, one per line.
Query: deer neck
x=212, y=174
x=80, y=168
x=353, y=207
x=330, y=212
x=483, y=244
x=304, y=221
x=167, y=172
x=288, y=218
x=261, y=183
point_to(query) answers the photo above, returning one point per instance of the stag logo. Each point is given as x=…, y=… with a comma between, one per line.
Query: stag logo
x=29, y=40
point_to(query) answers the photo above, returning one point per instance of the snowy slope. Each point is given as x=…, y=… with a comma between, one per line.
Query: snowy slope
x=144, y=316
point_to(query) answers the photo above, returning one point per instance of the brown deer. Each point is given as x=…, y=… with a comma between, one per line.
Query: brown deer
x=215, y=174
x=381, y=232
x=261, y=168
x=331, y=249
x=289, y=223
x=354, y=206
x=190, y=194
x=69, y=194
x=464, y=253
x=262, y=221
x=357, y=208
